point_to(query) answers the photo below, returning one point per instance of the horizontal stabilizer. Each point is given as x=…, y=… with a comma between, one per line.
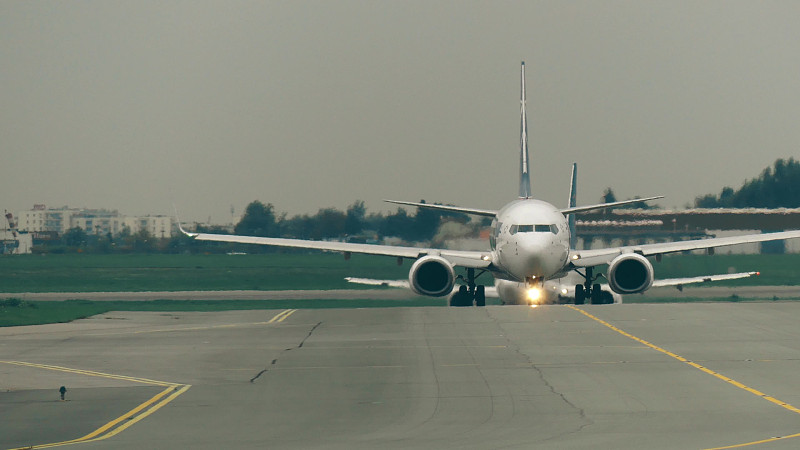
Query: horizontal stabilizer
x=702, y=279
x=607, y=205
x=473, y=211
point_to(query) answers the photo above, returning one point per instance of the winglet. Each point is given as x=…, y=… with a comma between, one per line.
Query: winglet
x=180, y=226
x=524, y=166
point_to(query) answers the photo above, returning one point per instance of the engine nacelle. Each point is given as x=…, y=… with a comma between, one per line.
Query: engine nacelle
x=433, y=276
x=630, y=273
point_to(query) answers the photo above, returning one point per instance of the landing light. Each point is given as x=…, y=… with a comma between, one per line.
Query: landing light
x=564, y=291
x=534, y=294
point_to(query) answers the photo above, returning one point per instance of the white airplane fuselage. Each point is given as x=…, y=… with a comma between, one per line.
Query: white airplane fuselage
x=530, y=241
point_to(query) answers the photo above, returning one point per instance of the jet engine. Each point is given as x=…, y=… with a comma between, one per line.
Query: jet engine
x=630, y=273
x=433, y=276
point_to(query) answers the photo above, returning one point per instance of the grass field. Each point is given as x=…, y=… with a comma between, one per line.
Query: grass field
x=115, y=273
x=277, y=271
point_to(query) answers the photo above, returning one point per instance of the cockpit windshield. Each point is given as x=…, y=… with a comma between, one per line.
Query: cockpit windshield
x=534, y=229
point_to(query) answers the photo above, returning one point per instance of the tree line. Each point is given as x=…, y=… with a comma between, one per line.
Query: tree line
x=261, y=219
x=777, y=187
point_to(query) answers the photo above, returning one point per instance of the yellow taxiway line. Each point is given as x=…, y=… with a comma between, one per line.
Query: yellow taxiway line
x=277, y=319
x=718, y=375
x=170, y=393
x=282, y=316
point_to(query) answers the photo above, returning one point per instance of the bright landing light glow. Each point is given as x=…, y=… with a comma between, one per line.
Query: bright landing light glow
x=534, y=294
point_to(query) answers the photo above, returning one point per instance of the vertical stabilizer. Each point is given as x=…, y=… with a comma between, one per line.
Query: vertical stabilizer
x=573, y=194
x=524, y=167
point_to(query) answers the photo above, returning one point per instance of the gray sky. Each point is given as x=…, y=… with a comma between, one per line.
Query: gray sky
x=127, y=105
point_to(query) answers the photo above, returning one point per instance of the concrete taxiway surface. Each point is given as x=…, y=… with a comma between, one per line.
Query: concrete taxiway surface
x=621, y=376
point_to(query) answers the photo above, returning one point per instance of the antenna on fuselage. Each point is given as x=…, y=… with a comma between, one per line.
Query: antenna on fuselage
x=524, y=166
x=573, y=200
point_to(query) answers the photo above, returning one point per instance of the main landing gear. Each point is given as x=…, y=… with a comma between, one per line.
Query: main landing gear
x=591, y=290
x=470, y=293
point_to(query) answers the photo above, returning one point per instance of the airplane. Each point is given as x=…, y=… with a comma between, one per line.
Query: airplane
x=560, y=290
x=532, y=254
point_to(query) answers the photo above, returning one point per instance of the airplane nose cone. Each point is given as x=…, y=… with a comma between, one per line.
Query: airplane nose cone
x=533, y=257
x=537, y=256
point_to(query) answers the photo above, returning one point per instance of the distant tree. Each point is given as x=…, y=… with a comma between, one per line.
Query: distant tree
x=329, y=223
x=426, y=222
x=142, y=242
x=374, y=221
x=399, y=224
x=298, y=227
x=103, y=244
x=776, y=187
x=726, y=196
x=258, y=220
x=124, y=233
x=608, y=196
x=354, y=222
x=74, y=237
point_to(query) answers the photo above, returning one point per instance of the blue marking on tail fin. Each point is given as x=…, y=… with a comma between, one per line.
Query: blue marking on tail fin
x=524, y=166
x=573, y=194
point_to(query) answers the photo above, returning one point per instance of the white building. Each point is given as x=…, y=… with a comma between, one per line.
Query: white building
x=92, y=221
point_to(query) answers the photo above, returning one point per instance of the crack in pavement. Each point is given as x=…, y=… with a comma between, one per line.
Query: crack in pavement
x=275, y=361
x=516, y=348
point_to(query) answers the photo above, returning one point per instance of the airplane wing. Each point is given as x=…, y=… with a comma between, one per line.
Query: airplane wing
x=468, y=259
x=588, y=258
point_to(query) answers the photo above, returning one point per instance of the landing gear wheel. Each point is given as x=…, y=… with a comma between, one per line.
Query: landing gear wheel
x=480, y=296
x=597, y=295
x=580, y=294
x=461, y=298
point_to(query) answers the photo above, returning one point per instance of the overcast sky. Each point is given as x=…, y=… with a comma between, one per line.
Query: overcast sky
x=307, y=105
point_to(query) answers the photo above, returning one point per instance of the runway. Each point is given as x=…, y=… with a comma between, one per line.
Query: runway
x=552, y=377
